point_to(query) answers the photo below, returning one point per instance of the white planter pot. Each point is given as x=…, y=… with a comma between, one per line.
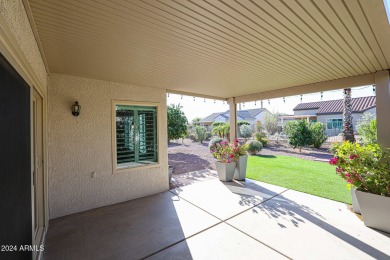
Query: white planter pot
x=240, y=172
x=355, y=204
x=170, y=172
x=225, y=170
x=375, y=210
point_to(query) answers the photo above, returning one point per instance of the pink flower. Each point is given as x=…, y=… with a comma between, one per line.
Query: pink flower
x=333, y=161
x=232, y=156
x=353, y=156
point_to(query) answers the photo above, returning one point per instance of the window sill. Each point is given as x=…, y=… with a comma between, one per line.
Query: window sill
x=133, y=168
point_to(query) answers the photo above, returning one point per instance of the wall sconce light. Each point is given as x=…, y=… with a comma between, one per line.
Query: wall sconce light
x=76, y=108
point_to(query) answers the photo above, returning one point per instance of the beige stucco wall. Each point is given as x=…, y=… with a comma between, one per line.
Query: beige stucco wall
x=14, y=15
x=81, y=145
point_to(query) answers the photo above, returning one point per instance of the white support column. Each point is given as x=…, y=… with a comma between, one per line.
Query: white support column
x=382, y=82
x=233, y=118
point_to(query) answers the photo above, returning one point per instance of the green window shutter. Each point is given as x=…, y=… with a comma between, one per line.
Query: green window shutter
x=147, y=136
x=125, y=135
x=136, y=135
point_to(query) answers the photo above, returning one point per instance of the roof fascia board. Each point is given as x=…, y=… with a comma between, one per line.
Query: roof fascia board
x=349, y=82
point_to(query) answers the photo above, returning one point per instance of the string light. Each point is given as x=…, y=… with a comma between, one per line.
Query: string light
x=204, y=100
x=194, y=98
x=301, y=98
x=224, y=102
x=322, y=95
x=181, y=97
x=168, y=94
x=255, y=103
x=269, y=103
x=284, y=100
x=214, y=101
x=243, y=104
x=374, y=89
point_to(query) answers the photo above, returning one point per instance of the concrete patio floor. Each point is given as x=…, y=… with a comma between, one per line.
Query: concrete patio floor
x=216, y=220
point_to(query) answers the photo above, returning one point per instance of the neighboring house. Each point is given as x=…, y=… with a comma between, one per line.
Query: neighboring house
x=331, y=112
x=249, y=115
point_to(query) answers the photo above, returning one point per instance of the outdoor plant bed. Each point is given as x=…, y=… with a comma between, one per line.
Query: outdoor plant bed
x=368, y=169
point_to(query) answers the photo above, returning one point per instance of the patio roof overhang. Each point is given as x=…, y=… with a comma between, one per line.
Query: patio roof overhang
x=218, y=49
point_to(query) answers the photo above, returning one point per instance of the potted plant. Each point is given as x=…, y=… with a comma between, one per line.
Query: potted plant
x=242, y=160
x=368, y=169
x=226, y=164
x=254, y=147
x=170, y=172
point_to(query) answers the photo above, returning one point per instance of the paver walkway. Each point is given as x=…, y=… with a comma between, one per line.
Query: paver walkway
x=215, y=220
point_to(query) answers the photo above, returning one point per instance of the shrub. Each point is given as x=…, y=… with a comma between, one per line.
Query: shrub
x=318, y=135
x=208, y=135
x=254, y=147
x=245, y=131
x=277, y=138
x=261, y=137
x=366, y=127
x=200, y=133
x=299, y=134
x=365, y=167
x=241, y=123
x=271, y=123
x=192, y=137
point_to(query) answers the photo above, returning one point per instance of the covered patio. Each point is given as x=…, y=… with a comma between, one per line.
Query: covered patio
x=65, y=168
x=215, y=220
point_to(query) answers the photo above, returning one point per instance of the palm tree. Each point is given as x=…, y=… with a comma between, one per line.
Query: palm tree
x=347, y=117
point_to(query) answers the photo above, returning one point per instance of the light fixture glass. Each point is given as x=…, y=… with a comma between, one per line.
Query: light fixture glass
x=76, y=108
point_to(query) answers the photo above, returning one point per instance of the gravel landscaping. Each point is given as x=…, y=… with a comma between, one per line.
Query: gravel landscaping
x=188, y=156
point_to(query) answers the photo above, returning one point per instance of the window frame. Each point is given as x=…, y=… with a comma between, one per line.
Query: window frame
x=130, y=168
x=328, y=119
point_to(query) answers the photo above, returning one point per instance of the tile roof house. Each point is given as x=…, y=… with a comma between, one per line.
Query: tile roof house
x=331, y=112
x=250, y=115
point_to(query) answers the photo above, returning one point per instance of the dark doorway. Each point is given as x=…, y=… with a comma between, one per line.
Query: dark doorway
x=15, y=164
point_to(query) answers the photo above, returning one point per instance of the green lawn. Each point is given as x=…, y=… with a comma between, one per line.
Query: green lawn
x=317, y=178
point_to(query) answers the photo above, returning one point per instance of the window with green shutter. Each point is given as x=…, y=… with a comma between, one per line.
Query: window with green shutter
x=136, y=135
x=334, y=124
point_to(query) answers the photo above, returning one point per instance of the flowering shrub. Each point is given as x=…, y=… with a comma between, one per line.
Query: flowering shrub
x=365, y=167
x=239, y=149
x=223, y=151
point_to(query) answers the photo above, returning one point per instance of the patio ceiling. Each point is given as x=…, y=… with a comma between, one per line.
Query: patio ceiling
x=216, y=48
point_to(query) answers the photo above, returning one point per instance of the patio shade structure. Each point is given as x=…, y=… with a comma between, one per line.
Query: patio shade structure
x=243, y=49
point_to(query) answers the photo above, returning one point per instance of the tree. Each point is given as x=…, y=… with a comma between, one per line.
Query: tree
x=271, y=123
x=299, y=134
x=366, y=127
x=226, y=130
x=177, y=122
x=200, y=133
x=260, y=133
x=318, y=134
x=245, y=132
x=347, y=117
x=196, y=121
